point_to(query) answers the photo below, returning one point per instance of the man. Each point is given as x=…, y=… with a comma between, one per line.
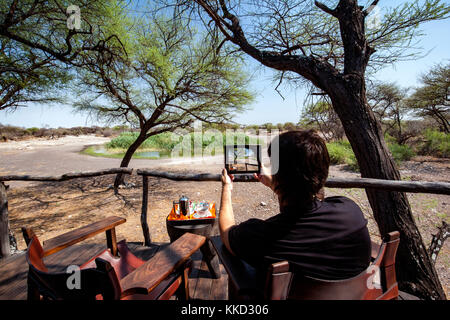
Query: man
x=325, y=239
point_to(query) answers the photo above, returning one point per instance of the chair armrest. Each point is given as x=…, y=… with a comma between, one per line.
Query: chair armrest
x=375, y=250
x=69, y=238
x=241, y=274
x=161, y=265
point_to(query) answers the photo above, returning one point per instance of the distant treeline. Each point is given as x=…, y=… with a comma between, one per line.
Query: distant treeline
x=8, y=133
x=287, y=126
x=14, y=133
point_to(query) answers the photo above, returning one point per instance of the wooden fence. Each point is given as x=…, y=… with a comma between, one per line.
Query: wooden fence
x=386, y=185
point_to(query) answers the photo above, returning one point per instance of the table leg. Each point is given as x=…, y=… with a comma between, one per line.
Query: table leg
x=211, y=259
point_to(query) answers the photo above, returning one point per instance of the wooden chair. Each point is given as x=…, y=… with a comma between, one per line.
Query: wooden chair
x=377, y=282
x=108, y=276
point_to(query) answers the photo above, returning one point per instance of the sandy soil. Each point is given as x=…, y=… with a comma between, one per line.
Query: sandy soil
x=53, y=208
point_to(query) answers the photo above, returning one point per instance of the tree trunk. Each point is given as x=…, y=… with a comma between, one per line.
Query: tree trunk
x=399, y=125
x=5, y=249
x=127, y=158
x=415, y=271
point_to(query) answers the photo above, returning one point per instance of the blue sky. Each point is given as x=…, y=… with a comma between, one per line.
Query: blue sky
x=269, y=105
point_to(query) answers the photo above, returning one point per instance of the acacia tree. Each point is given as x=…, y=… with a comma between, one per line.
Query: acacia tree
x=27, y=77
x=37, y=46
x=387, y=101
x=169, y=78
x=323, y=115
x=329, y=45
x=432, y=99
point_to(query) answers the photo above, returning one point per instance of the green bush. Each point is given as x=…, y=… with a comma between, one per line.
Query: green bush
x=341, y=153
x=32, y=131
x=162, y=141
x=389, y=139
x=212, y=142
x=436, y=144
x=401, y=152
x=125, y=140
x=120, y=128
x=42, y=132
x=167, y=141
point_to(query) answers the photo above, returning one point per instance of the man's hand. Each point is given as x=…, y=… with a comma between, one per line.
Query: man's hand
x=226, y=216
x=264, y=177
x=227, y=180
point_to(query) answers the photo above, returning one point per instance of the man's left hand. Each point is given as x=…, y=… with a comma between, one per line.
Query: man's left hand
x=227, y=180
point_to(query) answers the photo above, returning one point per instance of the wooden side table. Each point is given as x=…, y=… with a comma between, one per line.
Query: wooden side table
x=203, y=227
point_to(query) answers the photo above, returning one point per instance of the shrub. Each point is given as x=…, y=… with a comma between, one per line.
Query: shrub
x=389, y=139
x=120, y=128
x=123, y=141
x=32, y=131
x=436, y=144
x=162, y=141
x=166, y=141
x=401, y=152
x=12, y=133
x=339, y=152
x=60, y=132
x=212, y=141
x=42, y=132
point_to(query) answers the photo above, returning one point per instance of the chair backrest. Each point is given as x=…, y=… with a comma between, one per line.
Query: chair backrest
x=378, y=281
x=386, y=263
x=92, y=282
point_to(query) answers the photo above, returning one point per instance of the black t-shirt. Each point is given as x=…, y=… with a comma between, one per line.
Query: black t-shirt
x=329, y=240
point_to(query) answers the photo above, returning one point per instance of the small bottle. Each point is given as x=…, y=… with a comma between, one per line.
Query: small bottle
x=184, y=205
x=176, y=208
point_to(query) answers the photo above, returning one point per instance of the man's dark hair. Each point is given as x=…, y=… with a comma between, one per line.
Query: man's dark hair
x=303, y=166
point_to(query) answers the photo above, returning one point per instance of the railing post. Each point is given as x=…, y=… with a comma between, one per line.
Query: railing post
x=111, y=241
x=5, y=249
x=144, y=224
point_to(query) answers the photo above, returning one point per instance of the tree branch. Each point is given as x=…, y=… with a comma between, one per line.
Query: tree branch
x=279, y=83
x=300, y=46
x=319, y=72
x=370, y=8
x=326, y=9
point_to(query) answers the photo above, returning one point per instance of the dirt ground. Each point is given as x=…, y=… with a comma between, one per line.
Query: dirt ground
x=54, y=208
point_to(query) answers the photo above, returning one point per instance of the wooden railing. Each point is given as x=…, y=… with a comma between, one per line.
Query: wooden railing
x=67, y=176
x=386, y=185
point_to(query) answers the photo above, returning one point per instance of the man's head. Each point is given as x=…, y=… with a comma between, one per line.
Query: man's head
x=303, y=164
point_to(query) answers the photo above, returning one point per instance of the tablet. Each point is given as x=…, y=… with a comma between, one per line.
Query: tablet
x=242, y=158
